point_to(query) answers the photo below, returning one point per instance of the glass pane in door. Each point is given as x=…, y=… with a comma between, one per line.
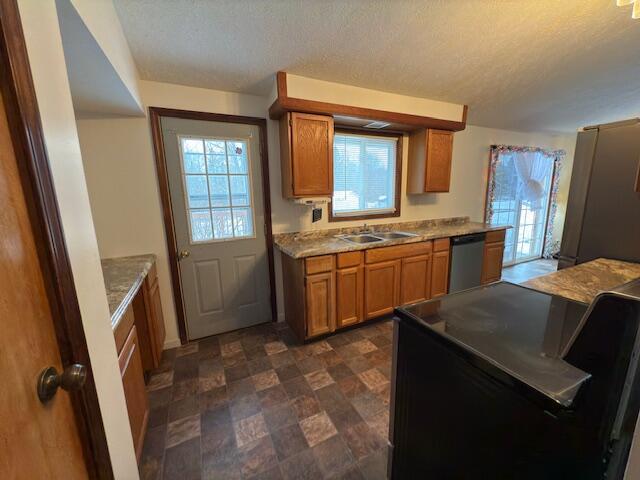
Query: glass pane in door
x=512, y=206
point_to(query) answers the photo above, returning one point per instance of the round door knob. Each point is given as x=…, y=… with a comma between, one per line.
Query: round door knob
x=184, y=254
x=72, y=378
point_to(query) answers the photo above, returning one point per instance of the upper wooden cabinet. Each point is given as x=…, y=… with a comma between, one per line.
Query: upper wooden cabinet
x=430, y=153
x=306, y=154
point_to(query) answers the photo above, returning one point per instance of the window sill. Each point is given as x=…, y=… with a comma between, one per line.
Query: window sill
x=364, y=216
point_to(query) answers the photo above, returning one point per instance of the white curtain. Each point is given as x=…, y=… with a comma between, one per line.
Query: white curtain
x=532, y=168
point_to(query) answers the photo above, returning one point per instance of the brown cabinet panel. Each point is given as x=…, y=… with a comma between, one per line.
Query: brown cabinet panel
x=319, y=264
x=415, y=279
x=349, y=296
x=430, y=154
x=397, y=251
x=440, y=273
x=320, y=303
x=495, y=236
x=308, y=164
x=382, y=288
x=439, y=155
x=157, y=321
x=492, y=262
x=134, y=389
x=441, y=244
x=349, y=259
x=149, y=321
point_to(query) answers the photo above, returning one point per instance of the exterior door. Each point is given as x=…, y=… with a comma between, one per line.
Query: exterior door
x=216, y=194
x=37, y=441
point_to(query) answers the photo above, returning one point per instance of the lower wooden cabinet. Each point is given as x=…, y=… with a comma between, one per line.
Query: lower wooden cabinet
x=382, y=288
x=492, y=262
x=149, y=321
x=349, y=296
x=440, y=268
x=492, y=259
x=320, y=303
x=329, y=292
x=415, y=279
x=134, y=389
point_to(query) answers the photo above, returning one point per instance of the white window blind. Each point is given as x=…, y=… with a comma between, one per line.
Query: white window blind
x=364, y=174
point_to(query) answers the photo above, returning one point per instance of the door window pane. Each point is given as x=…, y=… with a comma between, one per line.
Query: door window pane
x=197, y=191
x=217, y=176
x=219, y=188
x=222, y=223
x=239, y=190
x=201, y=230
x=242, y=222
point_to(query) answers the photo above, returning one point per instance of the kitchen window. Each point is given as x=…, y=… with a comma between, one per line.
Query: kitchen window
x=366, y=176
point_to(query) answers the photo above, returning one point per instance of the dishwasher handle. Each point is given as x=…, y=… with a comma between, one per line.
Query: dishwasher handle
x=465, y=239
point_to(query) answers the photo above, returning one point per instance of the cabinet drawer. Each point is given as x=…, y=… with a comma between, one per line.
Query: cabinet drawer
x=441, y=244
x=495, y=236
x=397, y=251
x=318, y=264
x=349, y=259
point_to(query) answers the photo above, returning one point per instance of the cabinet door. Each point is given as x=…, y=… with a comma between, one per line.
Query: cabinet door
x=382, y=288
x=440, y=274
x=320, y=303
x=415, y=279
x=439, y=153
x=134, y=389
x=492, y=262
x=312, y=154
x=349, y=296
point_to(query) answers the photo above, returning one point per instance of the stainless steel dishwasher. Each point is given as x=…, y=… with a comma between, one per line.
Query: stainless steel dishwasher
x=466, y=261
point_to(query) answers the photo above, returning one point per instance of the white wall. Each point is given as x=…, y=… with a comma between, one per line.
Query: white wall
x=46, y=58
x=128, y=216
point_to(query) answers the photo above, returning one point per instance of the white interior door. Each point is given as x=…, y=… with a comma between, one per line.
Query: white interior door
x=525, y=240
x=216, y=194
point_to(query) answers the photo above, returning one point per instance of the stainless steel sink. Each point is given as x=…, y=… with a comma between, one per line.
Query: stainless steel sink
x=361, y=238
x=394, y=235
x=375, y=237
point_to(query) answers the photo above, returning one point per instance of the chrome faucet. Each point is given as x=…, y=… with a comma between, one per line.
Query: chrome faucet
x=366, y=229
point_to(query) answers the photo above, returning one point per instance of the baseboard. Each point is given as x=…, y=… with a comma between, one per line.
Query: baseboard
x=171, y=344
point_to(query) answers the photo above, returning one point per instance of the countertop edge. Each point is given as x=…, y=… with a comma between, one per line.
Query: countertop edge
x=126, y=301
x=401, y=241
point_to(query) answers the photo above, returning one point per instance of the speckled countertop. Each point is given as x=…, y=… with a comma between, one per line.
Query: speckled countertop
x=122, y=279
x=583, y=282
x=324, y=242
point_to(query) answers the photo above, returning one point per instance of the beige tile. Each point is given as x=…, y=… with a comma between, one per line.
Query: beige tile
x=160, y=380
x=364, y=346
x=275, y=347
x=319, y=379
x=317, y=348
x=183, y=430
x=250, y=429
x=212, y=380
x=373, y=379
x=264, y=380
x=380, y=424
x=317, y=428
x=230, y=349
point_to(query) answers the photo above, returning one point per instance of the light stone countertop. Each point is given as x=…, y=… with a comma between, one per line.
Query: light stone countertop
x=123, y=277
x=583, y=282
x=324, y=242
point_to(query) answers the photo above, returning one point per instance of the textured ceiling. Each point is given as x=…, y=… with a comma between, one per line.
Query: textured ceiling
x=548, y=65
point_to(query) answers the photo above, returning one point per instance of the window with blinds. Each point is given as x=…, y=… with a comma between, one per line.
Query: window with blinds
x=364, y=175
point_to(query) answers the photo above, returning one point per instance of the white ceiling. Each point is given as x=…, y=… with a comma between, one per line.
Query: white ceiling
x=548, y=65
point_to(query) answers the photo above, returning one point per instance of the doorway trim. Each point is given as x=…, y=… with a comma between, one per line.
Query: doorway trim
x=18, y=92
x=155, y=117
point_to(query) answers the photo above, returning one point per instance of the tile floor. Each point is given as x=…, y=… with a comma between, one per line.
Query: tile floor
x=525, y=271
x=256, y=404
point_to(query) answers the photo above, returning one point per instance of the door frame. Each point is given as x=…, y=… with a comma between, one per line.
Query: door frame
x=18, y=92
x=155, y=117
